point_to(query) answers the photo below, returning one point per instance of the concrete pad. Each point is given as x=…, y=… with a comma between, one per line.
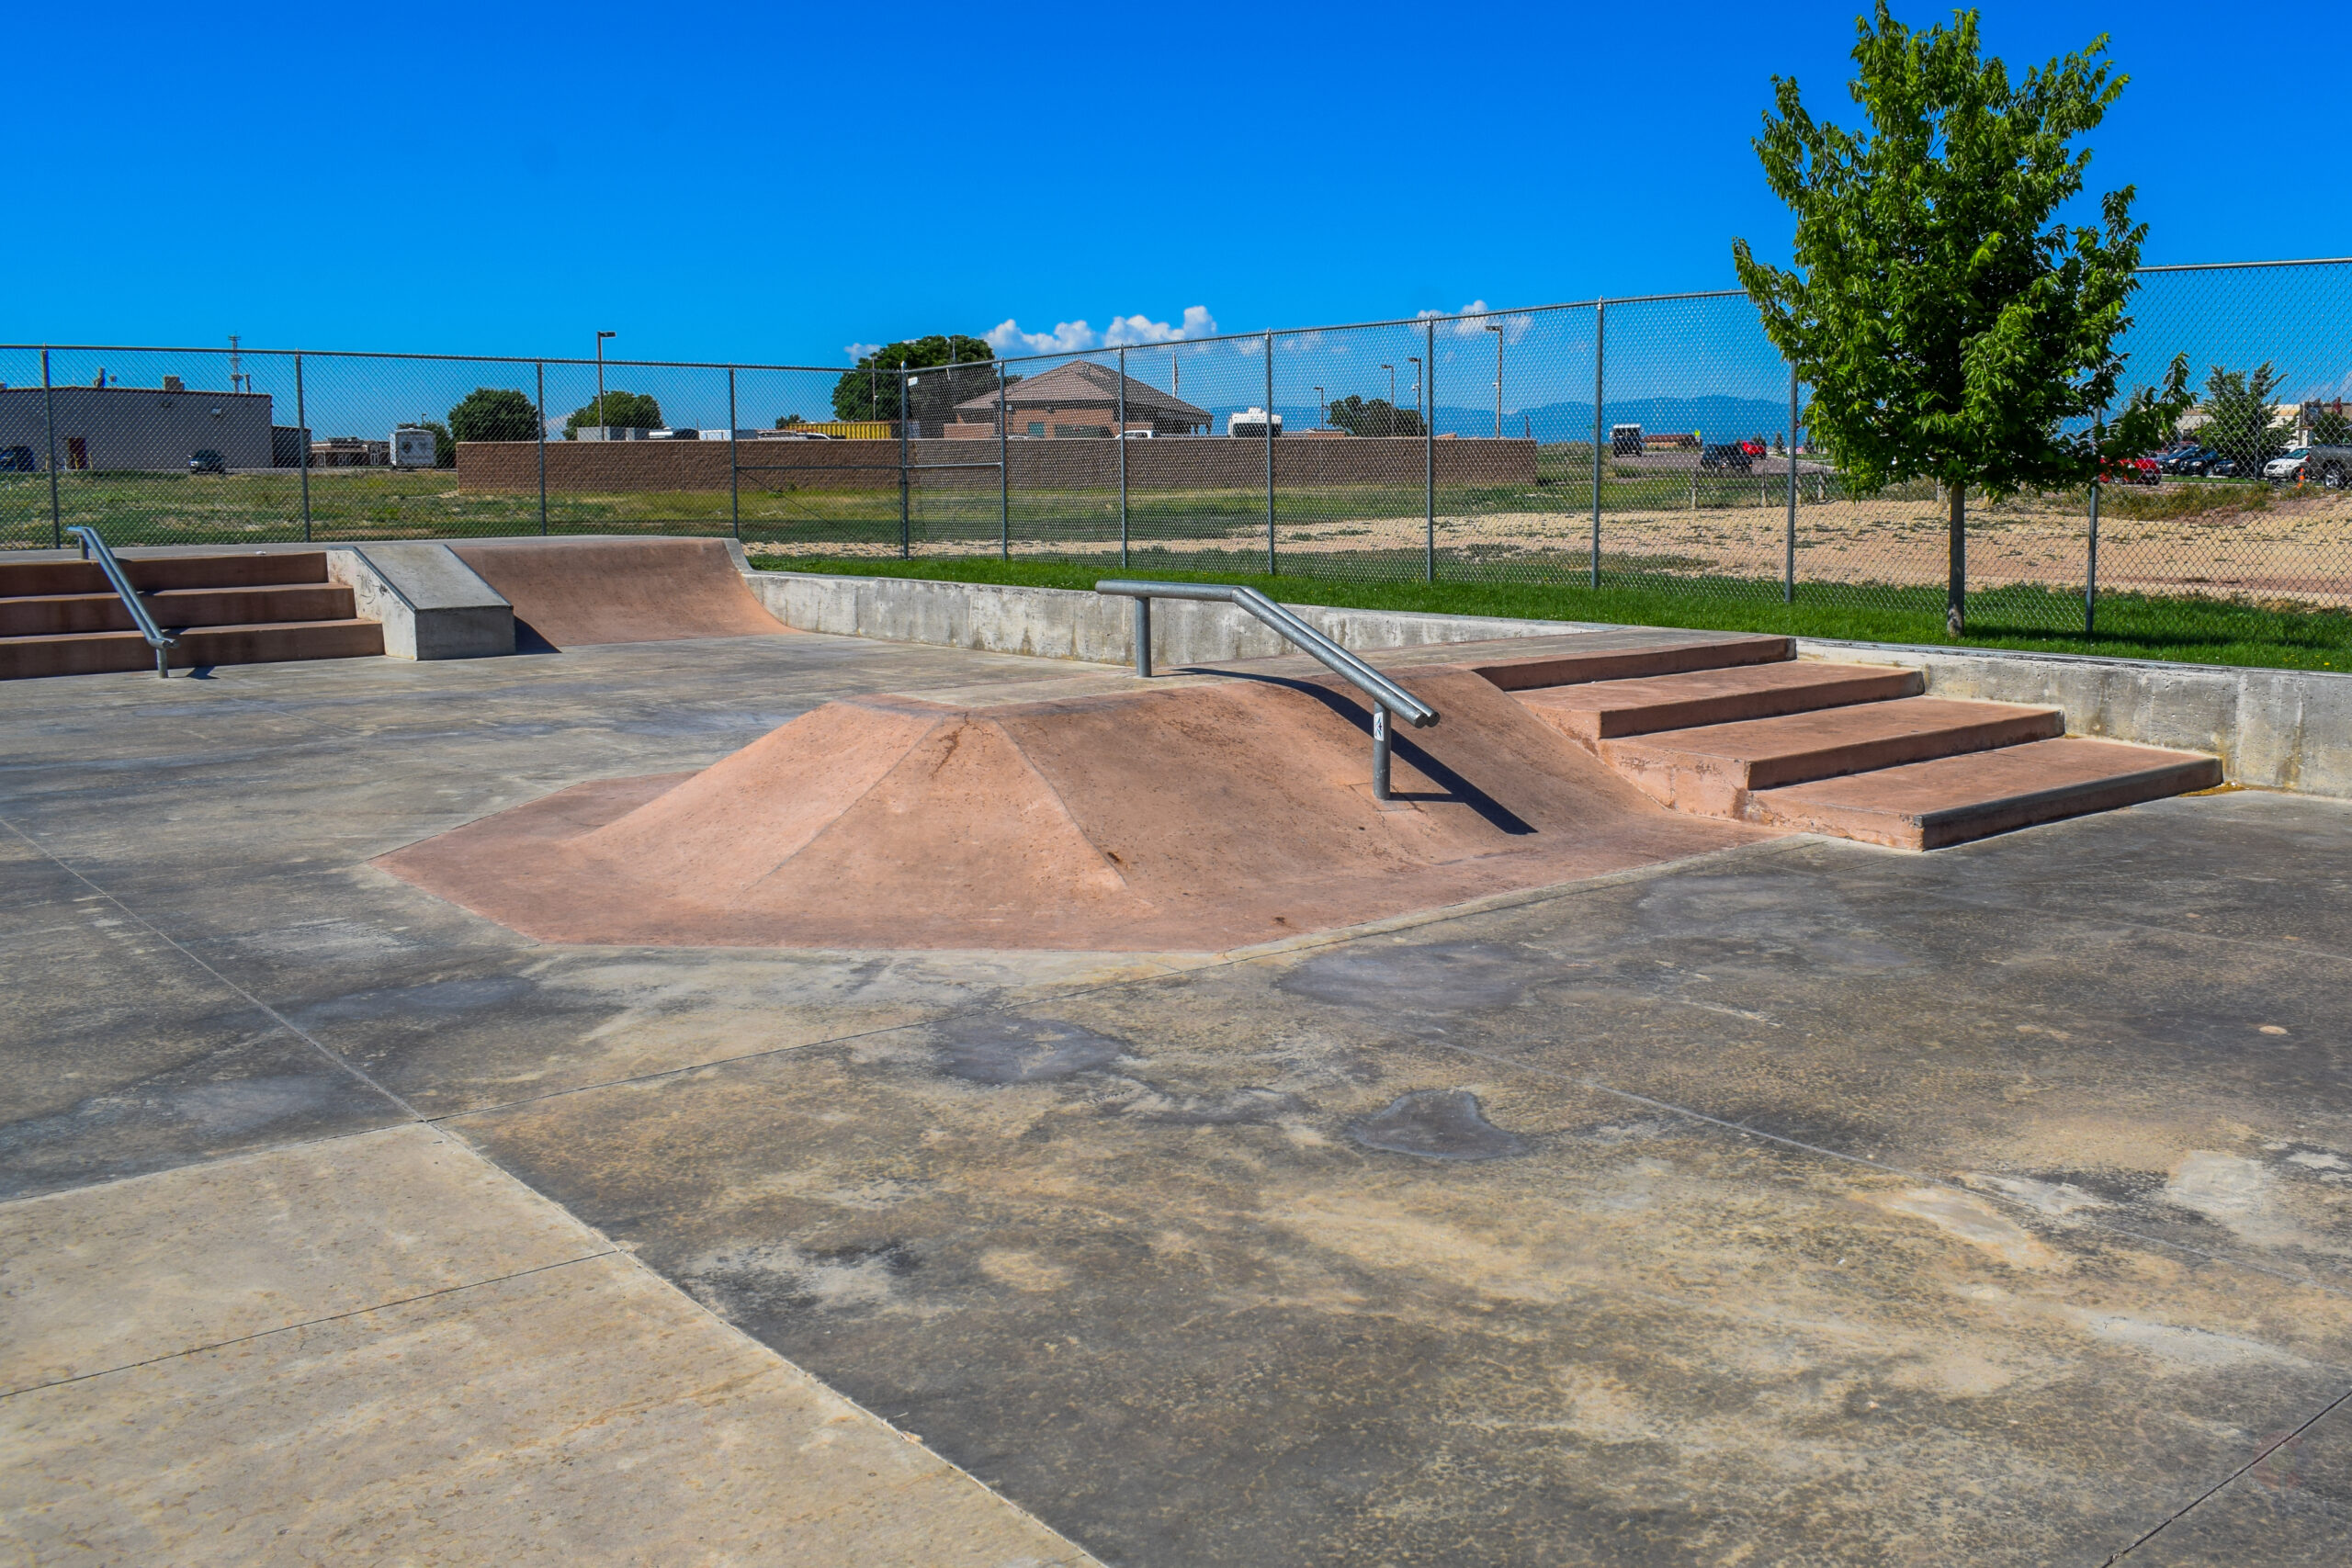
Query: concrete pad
x=580, y=592
x=1710, y=769
x=582, y=1414
x=1206, y=816
x=1321, y=1302
x=2292, y=1505
x=109, y=1275
x=1927, y=806
x=1603, y=709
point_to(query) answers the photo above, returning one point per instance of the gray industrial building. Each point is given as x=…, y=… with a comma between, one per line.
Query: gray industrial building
x=139, y=427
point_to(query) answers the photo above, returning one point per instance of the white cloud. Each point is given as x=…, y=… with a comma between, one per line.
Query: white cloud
x=857, y=350
x=1068, y=337
x=1125, y=331
x=1514, y=327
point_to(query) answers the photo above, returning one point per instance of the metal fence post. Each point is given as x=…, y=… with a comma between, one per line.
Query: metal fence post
x=1429, y=449
x=2090, y=576
x=1271, y=569
x=542, y=407
x=734, y=484
x=48, y=419
x=1789, y=570
x=906, y=516
x=1003, y=466
x=1122, y=433
x=1599, y=347
x=303, y=424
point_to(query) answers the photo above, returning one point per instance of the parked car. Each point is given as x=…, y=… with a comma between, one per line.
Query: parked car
x=2330, y=466
x=2132, y=471
x=2186, y=459
x=2285, y=467
x=17, y=460
x=1729, y=458
x=205, y=460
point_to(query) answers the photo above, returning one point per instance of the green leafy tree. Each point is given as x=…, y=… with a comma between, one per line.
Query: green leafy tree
x=1359, y=416
x=494, y=413
x=444, y=445
x=871, y=391
x=2329, y=427
x=1951, y=328
x=2239, y=418
x=787, y=420
x=621, y=411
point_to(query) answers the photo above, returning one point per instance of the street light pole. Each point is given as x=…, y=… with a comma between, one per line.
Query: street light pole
x=601, y=432
x=1414, y=361
x=1390, y=422
x=1497, y=329
x=1321, y=418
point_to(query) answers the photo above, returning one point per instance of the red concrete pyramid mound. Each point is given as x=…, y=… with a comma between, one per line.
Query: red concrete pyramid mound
x=1196, y=818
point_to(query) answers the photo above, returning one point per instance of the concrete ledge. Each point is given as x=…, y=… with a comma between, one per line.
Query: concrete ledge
x=1061, y=622
x=2272, y=728
x=2289, y=729
x=432, y=604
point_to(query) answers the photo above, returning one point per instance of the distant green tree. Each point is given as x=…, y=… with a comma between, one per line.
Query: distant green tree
x=1949, y=327
x=2329, y=427
x=444, y=445
x=621, y=411
x=871, y=391
x=2239, y=418
x=494, y=413
x=787, y=420
x=1359, y=416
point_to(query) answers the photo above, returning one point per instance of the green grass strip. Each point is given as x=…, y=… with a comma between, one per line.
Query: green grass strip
x=2130, y=626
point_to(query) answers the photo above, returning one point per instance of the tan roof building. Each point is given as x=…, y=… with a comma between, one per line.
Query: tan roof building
x=1081, y=399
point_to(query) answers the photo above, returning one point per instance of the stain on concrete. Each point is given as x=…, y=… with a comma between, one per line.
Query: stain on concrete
x=1422, y=978
x=993, y=1048
x=1437, y=1124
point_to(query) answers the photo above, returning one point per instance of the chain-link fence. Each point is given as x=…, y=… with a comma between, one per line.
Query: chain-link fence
x=1654, y=443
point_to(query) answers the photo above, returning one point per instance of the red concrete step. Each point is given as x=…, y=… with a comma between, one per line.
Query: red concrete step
x=1711, y=768
x=47, y=614
x=1628, y=663
x=1951, y=800
x=152, y=574
x=90, y=653
x=1602, y=710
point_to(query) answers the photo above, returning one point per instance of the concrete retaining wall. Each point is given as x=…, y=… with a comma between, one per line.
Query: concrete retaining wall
x=1173, y=463
x=2272, y=728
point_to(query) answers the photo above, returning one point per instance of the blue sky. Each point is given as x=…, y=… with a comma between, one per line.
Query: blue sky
x=776, y=185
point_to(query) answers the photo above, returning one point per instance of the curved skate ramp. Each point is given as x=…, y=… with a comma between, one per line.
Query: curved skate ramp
x=576, y=592
x=1208, y=816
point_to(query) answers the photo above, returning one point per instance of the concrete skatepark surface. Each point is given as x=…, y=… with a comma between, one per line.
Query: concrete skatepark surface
x=1797, y=1202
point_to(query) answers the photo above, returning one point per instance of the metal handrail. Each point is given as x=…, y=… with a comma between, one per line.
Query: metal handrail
x=1386, y=695
x=95, y=548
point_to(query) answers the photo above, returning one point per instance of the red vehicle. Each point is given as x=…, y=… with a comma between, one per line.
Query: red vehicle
x=2132, y=471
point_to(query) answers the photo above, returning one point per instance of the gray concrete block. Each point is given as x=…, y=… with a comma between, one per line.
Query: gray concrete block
x=432, y=604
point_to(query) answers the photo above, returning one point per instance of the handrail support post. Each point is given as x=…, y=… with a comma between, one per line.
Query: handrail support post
x=1379, y=751
x=1143, y=637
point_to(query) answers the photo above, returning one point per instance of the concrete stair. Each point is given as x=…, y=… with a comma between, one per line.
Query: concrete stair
x=1739, y=728
x=61, y=617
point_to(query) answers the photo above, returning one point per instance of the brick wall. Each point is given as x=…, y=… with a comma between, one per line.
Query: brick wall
x=1178, y=463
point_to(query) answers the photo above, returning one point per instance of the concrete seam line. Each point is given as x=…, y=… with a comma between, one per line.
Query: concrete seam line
x=262, y=1006
x=671, y=1288
x=240, y=1157
x=2272, y=1447
x=310, y=1321
x=1597, y=1086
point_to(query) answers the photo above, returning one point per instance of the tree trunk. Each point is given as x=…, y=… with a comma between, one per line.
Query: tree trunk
x=1956, y=594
